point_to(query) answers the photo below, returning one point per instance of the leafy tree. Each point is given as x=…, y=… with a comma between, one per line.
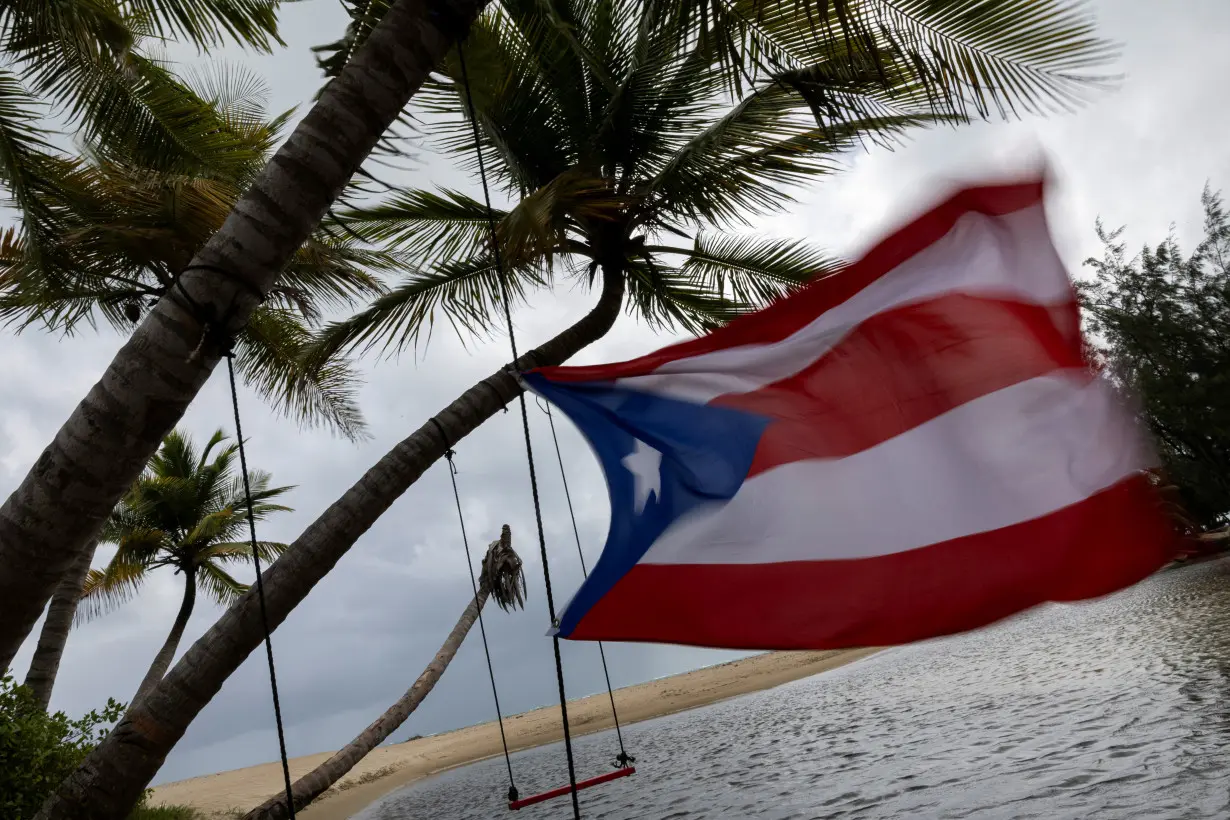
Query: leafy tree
x=1161, y=320
x=38, y=750
x=187, y=512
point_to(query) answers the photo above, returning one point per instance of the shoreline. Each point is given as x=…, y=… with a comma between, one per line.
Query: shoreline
x=388, y=768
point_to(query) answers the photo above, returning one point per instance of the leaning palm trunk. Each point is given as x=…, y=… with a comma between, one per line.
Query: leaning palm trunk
x=112, y=778
x=316, y=782
x=45, y=664
x=162, y=661
x=48, y=520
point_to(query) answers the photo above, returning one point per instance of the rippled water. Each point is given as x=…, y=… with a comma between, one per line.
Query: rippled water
x=1114, y=709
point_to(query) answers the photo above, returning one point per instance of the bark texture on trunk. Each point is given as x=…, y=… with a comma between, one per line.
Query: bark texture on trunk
x=316, y=782
x=111, y=779
x=162, y=661
x=41, y=678
x=100, y=450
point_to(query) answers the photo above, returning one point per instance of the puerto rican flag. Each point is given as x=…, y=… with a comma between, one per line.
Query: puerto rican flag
x=910, y=448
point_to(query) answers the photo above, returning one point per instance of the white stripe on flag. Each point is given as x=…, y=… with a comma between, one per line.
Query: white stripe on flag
x=1008, y=256
x=1001, y=459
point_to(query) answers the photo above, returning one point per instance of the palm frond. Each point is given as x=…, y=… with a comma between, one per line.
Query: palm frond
x=747, y=161
x=108, y=588
x=327, y=273
x=139, y=112
x=271, y=353
x=467, y=293
x=430, y=226
x=25, y=162
x=972, y=56
x=364, y=15
x=751, y=270
x=241, y=552
x=502, y=573
x=209, y=23
x=218, y=584
x=667, y=299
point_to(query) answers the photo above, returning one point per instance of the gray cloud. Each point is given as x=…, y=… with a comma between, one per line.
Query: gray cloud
x=1137, y=156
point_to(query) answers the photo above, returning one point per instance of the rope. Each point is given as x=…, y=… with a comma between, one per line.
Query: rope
x=213, y=329
x=452, y=472
x=260, y=587
x=525, y=426
x=624, y=759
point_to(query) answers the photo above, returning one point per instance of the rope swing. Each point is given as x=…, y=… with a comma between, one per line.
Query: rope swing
x=213, y=332
x=499, y=715
x=624, y=760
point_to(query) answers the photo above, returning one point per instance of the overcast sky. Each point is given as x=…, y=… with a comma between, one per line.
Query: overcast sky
x=1138, y=156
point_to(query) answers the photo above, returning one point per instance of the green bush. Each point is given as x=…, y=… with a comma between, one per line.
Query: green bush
x=39, y=749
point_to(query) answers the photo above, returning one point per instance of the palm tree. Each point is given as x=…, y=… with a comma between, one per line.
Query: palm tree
x=45, y=663
x=104, y=444
x=75, y=66
x=124, y=231
x=502, y=578
x=188, y=512
x=843, y=57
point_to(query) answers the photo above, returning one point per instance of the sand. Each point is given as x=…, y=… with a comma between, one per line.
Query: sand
x=223, y=795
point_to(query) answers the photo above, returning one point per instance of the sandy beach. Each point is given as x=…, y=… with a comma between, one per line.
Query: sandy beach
x=226, y=794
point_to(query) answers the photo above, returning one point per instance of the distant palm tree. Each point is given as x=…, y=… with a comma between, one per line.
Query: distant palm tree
x=501, y=579
x=186, y=512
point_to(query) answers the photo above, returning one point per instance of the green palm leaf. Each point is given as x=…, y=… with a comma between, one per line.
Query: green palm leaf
x=468, y=293
x=123, y=577
x=751, y=270
x=271, y=351
x=218, y=584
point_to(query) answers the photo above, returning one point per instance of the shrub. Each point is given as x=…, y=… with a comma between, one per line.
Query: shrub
x=38, y=749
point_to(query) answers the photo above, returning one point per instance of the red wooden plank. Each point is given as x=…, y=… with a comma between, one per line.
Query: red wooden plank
x=563, y=790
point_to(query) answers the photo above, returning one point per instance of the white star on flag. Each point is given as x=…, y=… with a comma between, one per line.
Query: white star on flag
x=645, y=464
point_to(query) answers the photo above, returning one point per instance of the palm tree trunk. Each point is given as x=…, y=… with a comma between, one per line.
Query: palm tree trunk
x=162, y=661
x=110, y=780
x=314, y=783
x=59, y=506
x=41, y=677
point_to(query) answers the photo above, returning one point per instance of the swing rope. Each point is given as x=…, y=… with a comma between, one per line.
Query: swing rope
x=452, y=472
x=525, y=426
x=624, y=759
x=214, y=331
x=260, y=587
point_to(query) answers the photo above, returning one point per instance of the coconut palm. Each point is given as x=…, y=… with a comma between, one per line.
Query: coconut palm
x=78, y=65
x=125, y=230
x=501, y=579
x=188, y=512
x=102, y=447
x=45, y=663
x=949, y=54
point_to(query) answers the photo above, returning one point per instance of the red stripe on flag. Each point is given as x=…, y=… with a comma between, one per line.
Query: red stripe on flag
x=902, y=368
x=787, y=316
x=1109, y=541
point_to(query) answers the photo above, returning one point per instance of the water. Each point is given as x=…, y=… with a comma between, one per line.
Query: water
x=1115, y=709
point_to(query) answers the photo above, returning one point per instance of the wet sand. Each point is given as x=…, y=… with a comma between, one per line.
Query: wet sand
x=228, y=794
